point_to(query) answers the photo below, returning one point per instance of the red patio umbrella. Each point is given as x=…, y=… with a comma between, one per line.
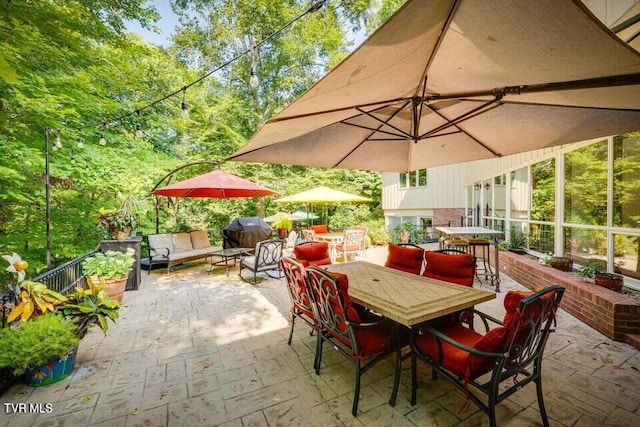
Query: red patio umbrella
x=217, y=184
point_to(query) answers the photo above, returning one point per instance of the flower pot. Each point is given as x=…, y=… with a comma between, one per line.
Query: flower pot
x=562, y=263
x=113, y=287
x=609, y=280
x=53, y=371
x=282, y=232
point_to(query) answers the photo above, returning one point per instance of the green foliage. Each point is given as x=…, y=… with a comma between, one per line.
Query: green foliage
x=109, y=265
x=589, y=268
x=68, y=65
x=35, y=300
x=282, y=222
x=378, y=233
x=35, y=342
x=86, y=307
x=517, y=239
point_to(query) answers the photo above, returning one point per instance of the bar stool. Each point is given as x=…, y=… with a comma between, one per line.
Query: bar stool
x=481, y=249
x=459, y=244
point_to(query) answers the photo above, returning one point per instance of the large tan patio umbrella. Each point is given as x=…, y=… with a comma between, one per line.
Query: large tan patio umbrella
x=323, y=195
x=450, y=81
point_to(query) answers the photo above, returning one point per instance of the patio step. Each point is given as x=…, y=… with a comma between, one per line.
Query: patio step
x=632, y=339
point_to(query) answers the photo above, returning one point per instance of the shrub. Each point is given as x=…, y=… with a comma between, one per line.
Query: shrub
x=36, y=342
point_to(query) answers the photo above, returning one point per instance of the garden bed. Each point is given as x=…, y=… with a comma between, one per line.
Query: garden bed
x=614, y=314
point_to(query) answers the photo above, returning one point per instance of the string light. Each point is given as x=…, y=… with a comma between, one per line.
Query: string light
x=80, y=139
x=58, y=141
x=139, y=133
x=185, y=109
x=103, y=140
x=253, y=78
x=253, y=75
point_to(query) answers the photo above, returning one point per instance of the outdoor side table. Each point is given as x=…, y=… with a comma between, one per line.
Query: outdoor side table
x=227, y=255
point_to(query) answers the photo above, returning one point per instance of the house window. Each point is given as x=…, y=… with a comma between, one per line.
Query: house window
x=416, y=178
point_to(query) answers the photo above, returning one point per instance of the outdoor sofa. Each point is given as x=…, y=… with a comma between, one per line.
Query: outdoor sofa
x=177, y=248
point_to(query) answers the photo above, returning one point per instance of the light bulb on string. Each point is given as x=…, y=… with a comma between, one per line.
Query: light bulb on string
x=58, y=142
x=139, y=133
x=253, y=75
x=253, y=78
x=80, y=139
x=103, y=140
x=185, y=108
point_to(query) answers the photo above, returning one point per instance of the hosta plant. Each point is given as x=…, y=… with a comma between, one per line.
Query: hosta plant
x=110, y=264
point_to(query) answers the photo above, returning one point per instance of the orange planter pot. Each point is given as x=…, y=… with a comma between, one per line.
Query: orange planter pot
x=113, y=287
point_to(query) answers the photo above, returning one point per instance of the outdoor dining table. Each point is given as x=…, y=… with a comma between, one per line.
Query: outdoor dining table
x=333, y=239
x=477, y=231
x=405, y=298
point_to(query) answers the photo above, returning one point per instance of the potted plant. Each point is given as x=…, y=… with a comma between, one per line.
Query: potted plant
x=517, y=242
x=42, y=348
x=283, y=224
x=594, y=269
x=111, y=269
x=86, y=307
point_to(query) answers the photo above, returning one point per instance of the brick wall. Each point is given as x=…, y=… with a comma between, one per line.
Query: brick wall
x=447, y=216
x=611, y=313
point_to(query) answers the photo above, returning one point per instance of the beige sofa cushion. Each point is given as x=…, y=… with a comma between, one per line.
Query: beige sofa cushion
x=199, y=239
x=159, y=243
x=181, y=242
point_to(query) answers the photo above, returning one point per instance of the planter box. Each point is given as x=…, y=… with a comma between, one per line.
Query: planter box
x=562, y=264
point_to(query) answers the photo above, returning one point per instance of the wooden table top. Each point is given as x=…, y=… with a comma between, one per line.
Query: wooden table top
x=404, y=297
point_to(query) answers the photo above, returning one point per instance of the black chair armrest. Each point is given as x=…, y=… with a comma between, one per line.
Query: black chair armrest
x=486, y=319
x=442, y=337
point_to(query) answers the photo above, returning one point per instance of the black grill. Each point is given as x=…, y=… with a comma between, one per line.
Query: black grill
x=245, y=232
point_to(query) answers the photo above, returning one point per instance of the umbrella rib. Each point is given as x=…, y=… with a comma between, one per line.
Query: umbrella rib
x=487, y=106
x=369, y=136
x=383, y=122
x=477, y=141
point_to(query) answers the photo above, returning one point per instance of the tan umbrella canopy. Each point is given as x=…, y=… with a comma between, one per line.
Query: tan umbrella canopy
x=450, y=81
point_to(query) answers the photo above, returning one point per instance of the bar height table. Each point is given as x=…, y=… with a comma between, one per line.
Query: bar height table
x=477, y=231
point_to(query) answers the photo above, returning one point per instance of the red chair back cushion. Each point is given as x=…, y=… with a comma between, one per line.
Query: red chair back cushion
x=404, y=258
x=450, y=268
x=316, y=253
x=320, y=229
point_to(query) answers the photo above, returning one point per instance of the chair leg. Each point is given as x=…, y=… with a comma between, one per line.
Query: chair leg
x=293, y=322
x=414, y=378
x=318, y=359
x=356, y=394
x=396, y=378
x=543, y=411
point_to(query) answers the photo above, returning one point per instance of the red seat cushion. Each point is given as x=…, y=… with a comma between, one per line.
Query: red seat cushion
x=316, y=253
x=494, y=341
x=450, y=268
x=459, y=361
x=404, y=258
x=371, y=341
x=320, y=228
